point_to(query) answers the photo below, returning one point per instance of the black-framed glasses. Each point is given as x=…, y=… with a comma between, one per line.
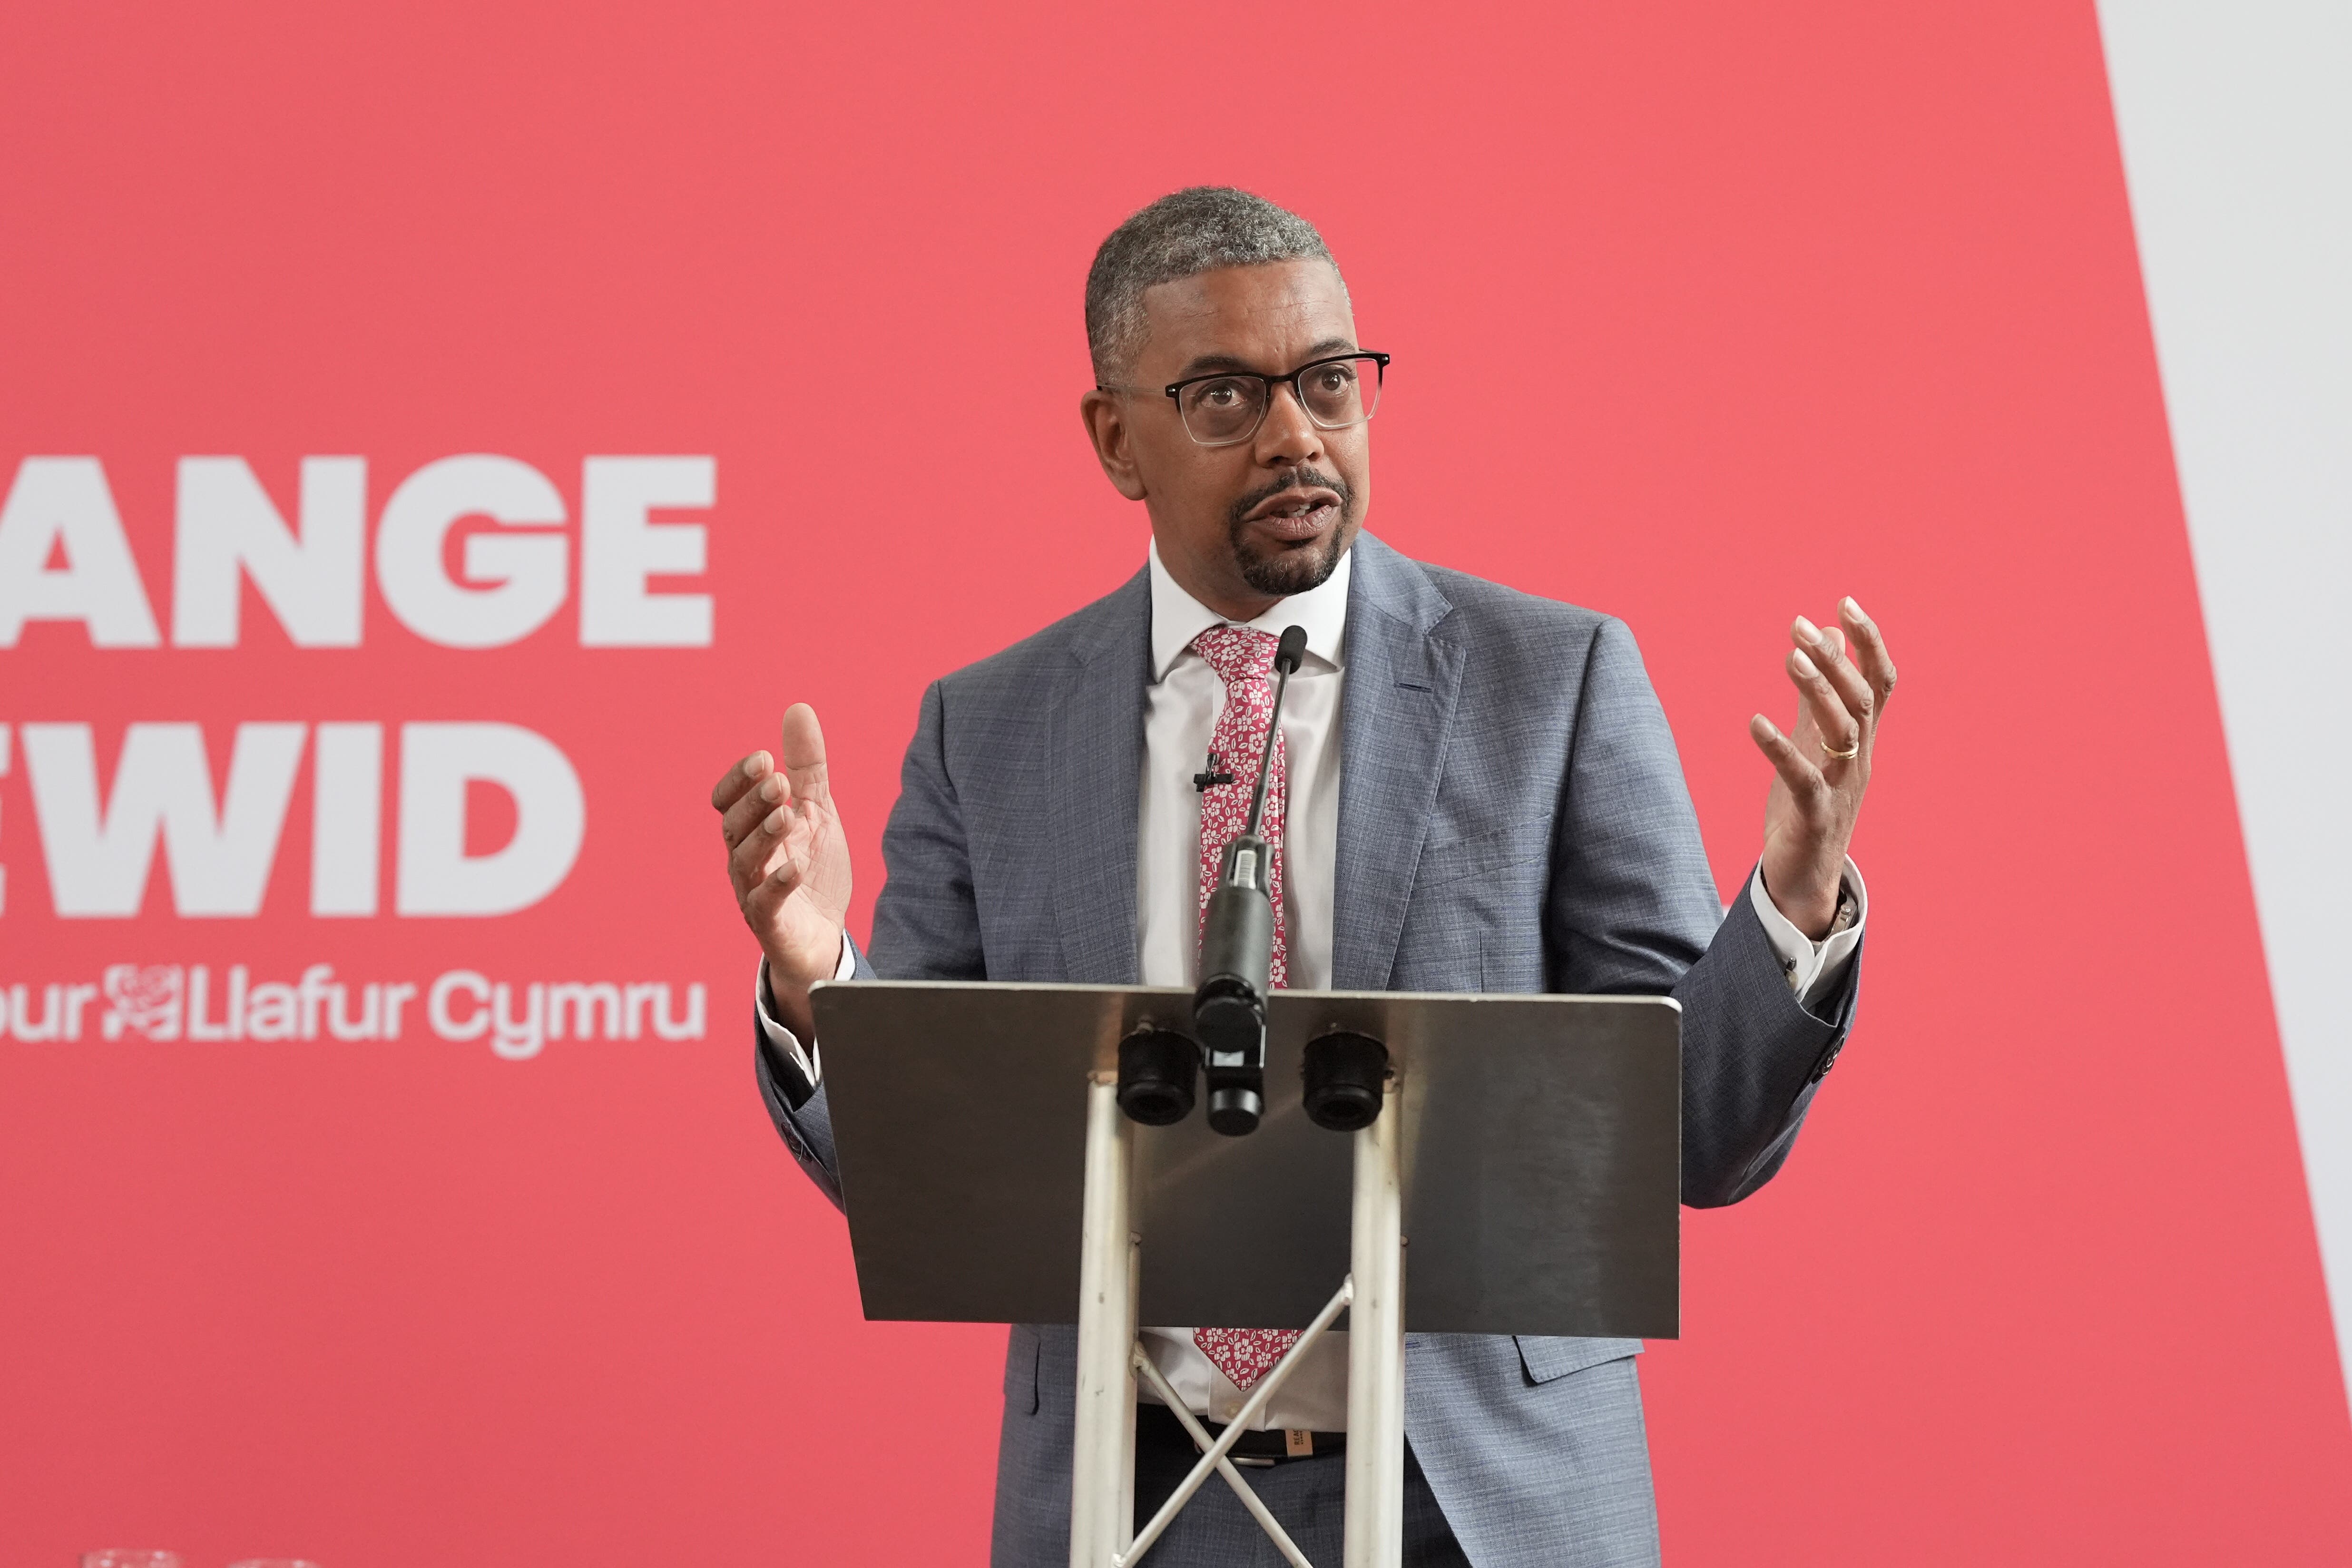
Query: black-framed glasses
x=1226, y=407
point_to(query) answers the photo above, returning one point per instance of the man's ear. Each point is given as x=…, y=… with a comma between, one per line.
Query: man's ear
x=1114, y=440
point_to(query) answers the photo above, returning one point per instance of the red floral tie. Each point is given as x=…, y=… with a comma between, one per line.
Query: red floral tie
x=1244, y=659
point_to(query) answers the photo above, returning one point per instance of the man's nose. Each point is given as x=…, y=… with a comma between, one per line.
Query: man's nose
x=1288, y=436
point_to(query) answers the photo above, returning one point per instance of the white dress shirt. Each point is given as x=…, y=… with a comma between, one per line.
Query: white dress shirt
x=1181, y=711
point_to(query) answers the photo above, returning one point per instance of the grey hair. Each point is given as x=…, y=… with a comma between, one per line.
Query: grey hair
x=1195, y=230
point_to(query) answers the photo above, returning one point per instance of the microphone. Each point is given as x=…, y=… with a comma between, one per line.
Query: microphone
x=1237, y=945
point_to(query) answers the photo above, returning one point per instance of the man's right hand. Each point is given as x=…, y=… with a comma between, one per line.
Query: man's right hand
x=790, y=863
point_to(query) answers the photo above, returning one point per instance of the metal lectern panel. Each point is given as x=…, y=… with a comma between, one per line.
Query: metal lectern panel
x=1542, y=1159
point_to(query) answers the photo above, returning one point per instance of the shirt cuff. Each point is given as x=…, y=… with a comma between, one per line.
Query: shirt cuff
x=783, y=1041
x=1813, y=968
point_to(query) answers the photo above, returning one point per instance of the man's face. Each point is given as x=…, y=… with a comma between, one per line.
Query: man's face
x=1240, y=526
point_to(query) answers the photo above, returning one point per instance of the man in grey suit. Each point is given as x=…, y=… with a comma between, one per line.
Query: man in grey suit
x=1482, y=794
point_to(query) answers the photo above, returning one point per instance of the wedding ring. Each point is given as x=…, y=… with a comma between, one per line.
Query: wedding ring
x=1845, y=756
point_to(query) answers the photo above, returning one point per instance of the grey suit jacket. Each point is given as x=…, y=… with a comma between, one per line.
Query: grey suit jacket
x=1512, y=818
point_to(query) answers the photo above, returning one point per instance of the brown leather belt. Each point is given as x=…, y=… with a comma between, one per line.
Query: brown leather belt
x=1157, y=1423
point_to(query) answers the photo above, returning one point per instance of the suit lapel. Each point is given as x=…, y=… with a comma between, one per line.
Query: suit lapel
x=1395, y=712
x=1093, y=796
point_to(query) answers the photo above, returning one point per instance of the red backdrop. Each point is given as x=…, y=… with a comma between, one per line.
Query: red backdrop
x=1704, y=314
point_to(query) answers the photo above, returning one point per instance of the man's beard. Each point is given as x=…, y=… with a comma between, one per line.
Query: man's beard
x=1281, y=572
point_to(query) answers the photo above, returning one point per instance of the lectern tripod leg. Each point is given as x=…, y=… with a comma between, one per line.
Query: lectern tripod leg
x=1102, y=1479
x=1375, y=1507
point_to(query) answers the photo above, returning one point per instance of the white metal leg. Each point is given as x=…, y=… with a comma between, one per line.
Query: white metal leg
x=1102, y=1477
x=1232, y=1478
x=1375, y=1507
x=1252, y=1408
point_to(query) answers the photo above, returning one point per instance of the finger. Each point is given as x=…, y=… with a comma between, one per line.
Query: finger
x=1827, y=653
x=743, y=775
x=761, y=904
x=803, y=752
x=1870, y=653
x=761, y=849
x=1796, y=770
x=1839, y=730
x=750, y=807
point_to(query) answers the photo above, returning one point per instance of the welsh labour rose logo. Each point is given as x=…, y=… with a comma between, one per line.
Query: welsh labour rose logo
x=144, y=998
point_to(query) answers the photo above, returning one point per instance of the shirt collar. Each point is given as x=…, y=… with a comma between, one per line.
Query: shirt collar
x=1177, y=617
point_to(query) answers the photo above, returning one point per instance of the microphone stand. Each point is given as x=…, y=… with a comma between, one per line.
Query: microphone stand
x=1237, y=944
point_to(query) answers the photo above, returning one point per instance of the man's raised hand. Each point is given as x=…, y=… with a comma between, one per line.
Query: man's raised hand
x=789, y=862
x=1843, y=677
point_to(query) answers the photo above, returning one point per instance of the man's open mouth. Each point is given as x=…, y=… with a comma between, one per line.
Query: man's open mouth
x=1296, y=514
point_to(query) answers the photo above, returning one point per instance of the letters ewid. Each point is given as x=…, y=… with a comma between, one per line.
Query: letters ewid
x=64, y=555
x=221, y=846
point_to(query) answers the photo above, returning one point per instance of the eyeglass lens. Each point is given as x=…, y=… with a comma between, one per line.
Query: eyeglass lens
x=1336, y=394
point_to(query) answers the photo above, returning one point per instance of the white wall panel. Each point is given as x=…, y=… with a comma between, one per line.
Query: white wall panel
x=2236, y=121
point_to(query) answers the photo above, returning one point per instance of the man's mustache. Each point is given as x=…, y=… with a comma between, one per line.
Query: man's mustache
x=1299, y=480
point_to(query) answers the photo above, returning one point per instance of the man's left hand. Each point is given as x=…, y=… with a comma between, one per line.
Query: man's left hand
x=1843, y=678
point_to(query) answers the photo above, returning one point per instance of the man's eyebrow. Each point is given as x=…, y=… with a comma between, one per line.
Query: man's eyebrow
x=1210, y=364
